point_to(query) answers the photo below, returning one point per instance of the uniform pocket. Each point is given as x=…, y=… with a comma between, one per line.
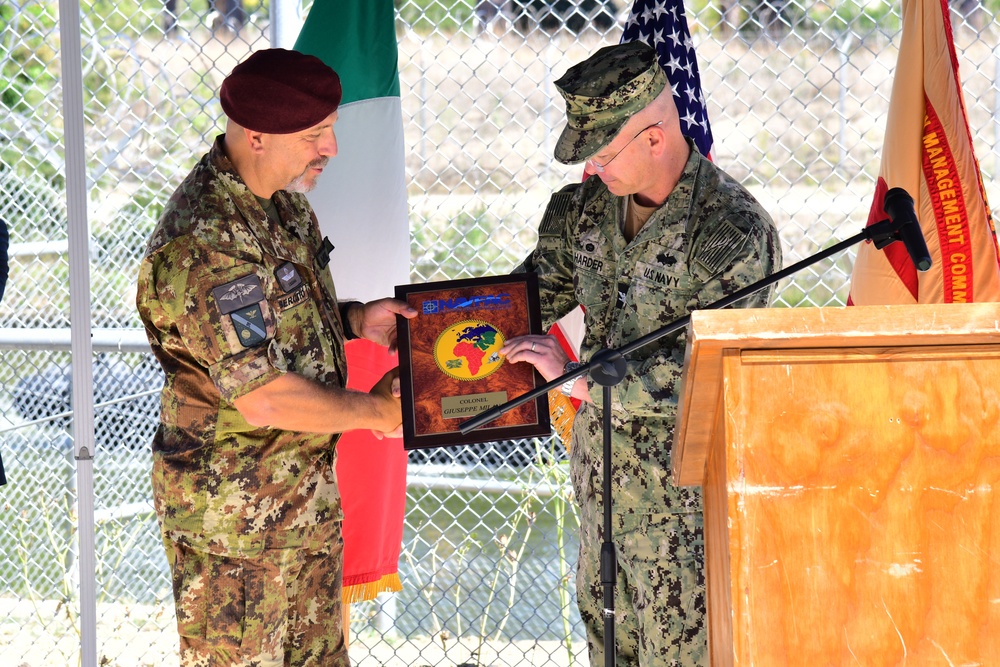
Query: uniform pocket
x=594, y=290
x=210, y=598
x=671, y=548
x=653, y=306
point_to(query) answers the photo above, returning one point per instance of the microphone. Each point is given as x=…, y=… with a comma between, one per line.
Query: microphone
x=899, y=205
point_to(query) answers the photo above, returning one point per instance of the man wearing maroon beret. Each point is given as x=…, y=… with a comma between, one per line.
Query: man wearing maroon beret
x=241, y=312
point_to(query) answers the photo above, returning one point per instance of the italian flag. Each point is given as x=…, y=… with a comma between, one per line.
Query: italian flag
x=928, y=152
x=360, y=201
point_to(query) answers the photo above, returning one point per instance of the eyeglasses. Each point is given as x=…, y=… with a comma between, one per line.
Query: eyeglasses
x=599, y=168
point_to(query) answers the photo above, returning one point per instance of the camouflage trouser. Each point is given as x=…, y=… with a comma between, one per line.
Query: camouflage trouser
x=660, y=591
x=282, y=608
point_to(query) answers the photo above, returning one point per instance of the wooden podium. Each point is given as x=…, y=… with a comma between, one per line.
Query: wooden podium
x=850, y=459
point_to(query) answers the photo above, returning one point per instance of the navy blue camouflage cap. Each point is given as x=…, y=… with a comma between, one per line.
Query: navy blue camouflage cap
x=602, y=93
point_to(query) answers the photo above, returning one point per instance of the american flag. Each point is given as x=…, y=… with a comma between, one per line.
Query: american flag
x=662, y=25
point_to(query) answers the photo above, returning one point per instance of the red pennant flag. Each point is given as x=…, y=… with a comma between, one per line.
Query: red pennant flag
x=569, y=332
x=928, y=152
x=365, y=182
x=371, y=474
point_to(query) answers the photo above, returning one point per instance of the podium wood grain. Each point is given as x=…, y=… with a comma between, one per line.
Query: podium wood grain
x=850, y=460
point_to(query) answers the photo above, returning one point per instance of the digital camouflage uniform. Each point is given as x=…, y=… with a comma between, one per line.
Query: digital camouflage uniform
x=250, y=516
x=709, y=239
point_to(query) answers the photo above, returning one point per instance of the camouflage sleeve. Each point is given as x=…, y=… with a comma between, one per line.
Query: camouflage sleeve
x=208, y=307
x=730, y=255
x=552, y=258
x=733, y=254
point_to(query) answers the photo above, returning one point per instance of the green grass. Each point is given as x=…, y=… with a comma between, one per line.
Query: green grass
x=426, y=16
x=38, y=515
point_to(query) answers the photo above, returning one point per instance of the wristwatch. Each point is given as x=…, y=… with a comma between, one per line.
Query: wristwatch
x=567, y=386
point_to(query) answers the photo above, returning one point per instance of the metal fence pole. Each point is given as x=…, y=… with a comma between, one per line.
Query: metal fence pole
x=71, y=55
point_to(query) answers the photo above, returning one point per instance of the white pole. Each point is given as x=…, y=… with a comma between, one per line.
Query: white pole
x=286, y=23
x=71, y=55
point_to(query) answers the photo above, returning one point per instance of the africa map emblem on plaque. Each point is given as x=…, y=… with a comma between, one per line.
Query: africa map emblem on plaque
x=469, y=350
x=450, y=363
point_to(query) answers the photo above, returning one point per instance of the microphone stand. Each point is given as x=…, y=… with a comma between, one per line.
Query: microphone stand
x=607, y=368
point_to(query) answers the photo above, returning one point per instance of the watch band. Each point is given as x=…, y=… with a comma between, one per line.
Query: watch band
x=567, y=386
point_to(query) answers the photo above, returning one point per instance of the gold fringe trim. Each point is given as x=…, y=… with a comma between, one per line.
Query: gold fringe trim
x=561, y=415
x=389, y=583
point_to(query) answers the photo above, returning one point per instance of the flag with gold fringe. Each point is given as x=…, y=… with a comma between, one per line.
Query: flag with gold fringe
x=361, y=204
x=371, y=474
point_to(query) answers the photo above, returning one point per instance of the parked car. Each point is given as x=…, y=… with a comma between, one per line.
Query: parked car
x=127, y=404
x=126, y=400
x=549, y=15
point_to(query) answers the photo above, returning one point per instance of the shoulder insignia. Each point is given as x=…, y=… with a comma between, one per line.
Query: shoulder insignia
x=555, y=212
x=719, y=249
x=238, y=293
x=249, y=325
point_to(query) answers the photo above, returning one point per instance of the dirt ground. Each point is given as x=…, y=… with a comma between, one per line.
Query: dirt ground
x=43, y=634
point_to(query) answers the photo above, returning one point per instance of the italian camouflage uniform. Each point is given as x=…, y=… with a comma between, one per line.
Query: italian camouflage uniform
x=250, y=516
x=709, y=239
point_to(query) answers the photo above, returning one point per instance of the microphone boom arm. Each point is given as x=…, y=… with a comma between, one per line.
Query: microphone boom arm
x=880, y=233
x=607, y=367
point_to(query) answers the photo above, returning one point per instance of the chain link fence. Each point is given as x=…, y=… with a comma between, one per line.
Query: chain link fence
x=797, y=95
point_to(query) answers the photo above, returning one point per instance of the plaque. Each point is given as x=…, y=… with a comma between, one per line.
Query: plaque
x=450, y=368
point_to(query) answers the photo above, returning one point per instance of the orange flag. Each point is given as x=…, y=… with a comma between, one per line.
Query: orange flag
x=928, y=152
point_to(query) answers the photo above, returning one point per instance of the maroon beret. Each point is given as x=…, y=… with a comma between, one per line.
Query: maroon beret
x=278, y=91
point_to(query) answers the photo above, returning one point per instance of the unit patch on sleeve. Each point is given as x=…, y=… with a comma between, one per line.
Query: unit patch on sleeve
x=555, y=212
x=242, y=300
x=238, y=293
x=249, y=325
x=722, y=247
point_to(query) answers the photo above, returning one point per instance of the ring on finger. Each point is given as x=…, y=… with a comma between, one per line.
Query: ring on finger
x=532, y=346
